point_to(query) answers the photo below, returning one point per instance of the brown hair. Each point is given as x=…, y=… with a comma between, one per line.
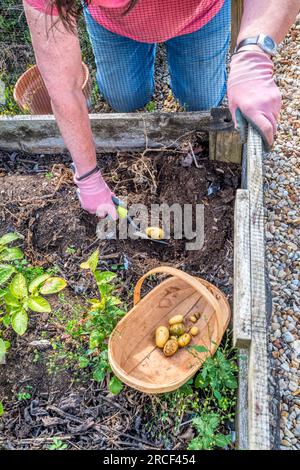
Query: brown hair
x=68, y=10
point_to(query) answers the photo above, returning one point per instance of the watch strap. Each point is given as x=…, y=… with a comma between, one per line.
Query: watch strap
x=247, y=42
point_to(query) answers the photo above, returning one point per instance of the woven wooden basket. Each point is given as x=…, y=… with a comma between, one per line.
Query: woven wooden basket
x=31, y=95
x=132, y=353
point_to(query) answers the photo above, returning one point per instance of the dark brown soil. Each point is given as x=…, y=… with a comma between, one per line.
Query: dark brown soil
x=37, y=198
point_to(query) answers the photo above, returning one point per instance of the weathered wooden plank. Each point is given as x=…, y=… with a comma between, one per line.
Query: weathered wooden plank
x=225, y=146
x=112, y=132
x=259, y=415
x=242, y=421
x=237, y=7
x=242, y=274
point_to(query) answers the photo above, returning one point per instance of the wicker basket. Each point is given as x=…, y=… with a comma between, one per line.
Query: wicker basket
x=31, y=95
x=132, y=353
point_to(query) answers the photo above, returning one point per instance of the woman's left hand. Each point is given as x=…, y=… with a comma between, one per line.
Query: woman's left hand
x=253, y=95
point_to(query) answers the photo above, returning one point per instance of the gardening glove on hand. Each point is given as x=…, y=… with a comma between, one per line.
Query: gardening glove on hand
x=94, y=194
x=253, y=96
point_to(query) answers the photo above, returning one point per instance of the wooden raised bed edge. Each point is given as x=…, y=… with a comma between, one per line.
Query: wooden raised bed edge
x=123, y=132
x=252, y=306
x=113, y=132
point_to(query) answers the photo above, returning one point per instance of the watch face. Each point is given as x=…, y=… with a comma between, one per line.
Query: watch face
x=269, y=43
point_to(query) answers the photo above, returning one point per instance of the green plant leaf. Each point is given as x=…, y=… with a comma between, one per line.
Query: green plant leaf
x=39, y=304
x=91, y=262
x=6, y=320
x=5, y=272
x=19, y=321
x=2, y=292
x=222, y=441
x=217, y=394
x=115, y=385
x=103, y=277
x=3, y=349
x=10, y=237
x=35, y=283
x=199, y=382
x=11, y=300
x=96, y=339
x=1, y=408
x=10, y=254
x=53, y=285
x=83, y=362
x=18, y=286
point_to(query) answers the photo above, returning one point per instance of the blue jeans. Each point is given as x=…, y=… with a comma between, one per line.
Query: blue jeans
x=196, y=61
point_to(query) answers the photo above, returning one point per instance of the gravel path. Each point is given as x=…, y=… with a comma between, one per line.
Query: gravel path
x=282, y=198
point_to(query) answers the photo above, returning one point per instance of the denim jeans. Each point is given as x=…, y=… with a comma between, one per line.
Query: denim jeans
x=196, y=61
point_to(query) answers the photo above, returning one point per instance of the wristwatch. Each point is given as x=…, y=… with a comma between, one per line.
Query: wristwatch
x=266, y=43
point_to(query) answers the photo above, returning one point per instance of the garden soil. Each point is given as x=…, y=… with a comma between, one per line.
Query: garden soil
x=38, y=199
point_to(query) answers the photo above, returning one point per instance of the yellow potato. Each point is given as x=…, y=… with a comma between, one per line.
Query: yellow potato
x=156, y=233
x=184, y=340
x=193, y=318
x=176, y=319
x=177, y=330
x=194, y=331
x=161, y=336
x=171, y=347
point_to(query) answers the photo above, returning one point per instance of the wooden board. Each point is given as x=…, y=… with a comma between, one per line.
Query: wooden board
x=242, y=272
x=259, y=415
x=225, y=146
x=127, y=132
x=242, y=418
x=237, y=7
x=112, y=132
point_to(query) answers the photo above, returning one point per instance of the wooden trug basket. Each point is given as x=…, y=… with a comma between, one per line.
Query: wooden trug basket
x=132, y=353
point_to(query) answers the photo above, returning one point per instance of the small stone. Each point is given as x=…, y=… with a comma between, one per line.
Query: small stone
x=288, y=337
x=293, y=386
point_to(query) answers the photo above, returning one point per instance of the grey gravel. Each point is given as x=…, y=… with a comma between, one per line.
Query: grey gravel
x=282, y=202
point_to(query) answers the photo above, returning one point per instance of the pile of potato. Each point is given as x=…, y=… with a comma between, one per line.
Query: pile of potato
x=177, y=335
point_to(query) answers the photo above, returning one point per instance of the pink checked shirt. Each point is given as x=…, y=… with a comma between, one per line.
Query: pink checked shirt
x=150, y=20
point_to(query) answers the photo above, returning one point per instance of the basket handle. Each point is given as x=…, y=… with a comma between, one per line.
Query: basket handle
x=184, y=277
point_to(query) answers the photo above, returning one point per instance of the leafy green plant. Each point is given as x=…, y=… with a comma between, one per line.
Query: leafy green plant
x=1, y=409
x=208, y=438
x=58, y=444
x=219, y=374
x=151, y=106
x=24, y=394
x=19, y=297
x=101, y=318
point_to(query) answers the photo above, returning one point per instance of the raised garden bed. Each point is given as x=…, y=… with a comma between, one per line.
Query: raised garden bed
x=38, y=200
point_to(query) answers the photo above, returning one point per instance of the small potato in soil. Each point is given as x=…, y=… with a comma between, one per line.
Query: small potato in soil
x=184, y=340
x=170, y=347
x=194, y=331
x=161, y=336
x=176, y=319
x=156, y=233
x=193, y=318
x=177, y=330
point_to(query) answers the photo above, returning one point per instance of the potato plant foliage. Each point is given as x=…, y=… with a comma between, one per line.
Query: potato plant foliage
x=102, y=316
x=18, y=297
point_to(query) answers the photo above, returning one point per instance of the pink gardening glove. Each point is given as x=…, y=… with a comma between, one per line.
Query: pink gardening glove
x=95, y=196
x=253, y=95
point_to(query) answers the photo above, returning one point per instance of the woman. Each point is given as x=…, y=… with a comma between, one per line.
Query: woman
x=124, y=34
